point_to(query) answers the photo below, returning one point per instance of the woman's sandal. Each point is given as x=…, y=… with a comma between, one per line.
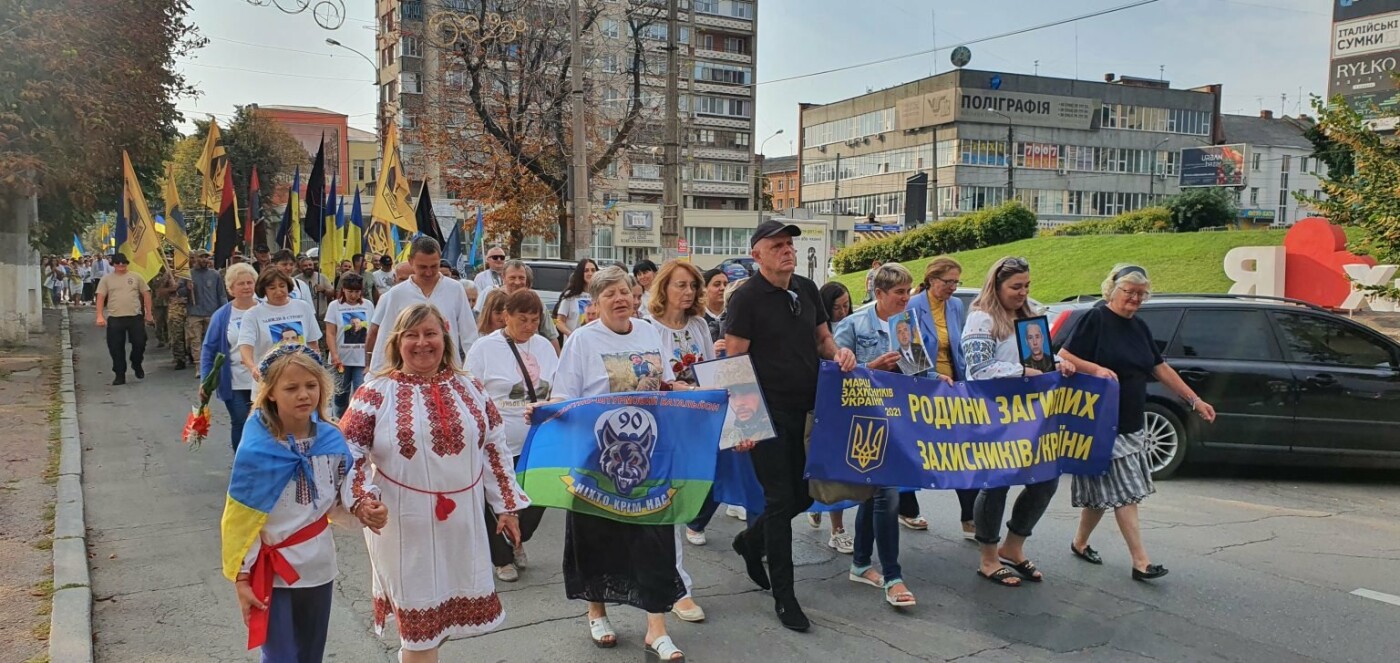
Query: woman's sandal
x=1025, y=569
x=664, y=649
x=857, y=574
x=602, y=628
x=904, y=599
x=1002, y=576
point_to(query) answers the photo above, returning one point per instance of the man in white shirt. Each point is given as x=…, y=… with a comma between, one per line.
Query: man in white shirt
x=384, y=276
x=492, y=277
x=426, y=285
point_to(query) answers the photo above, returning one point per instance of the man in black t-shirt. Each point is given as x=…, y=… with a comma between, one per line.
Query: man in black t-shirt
x=777, y=317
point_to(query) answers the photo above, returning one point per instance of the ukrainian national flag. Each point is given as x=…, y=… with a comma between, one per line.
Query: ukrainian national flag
x=329, y=239
x=356, y=241
x=175, y=233
x=261, y=469
x=641, y=458
x=289, y=232
x=77, y=247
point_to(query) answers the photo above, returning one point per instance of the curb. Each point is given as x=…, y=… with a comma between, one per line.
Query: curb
x=70, y=626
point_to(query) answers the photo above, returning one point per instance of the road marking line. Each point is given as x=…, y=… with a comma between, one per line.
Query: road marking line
x=1377, y=596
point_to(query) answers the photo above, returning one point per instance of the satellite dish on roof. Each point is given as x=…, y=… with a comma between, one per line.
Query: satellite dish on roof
x=961, y=56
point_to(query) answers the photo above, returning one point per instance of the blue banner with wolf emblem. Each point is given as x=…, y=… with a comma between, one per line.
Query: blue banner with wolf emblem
x=646, y=458
x=886, y=429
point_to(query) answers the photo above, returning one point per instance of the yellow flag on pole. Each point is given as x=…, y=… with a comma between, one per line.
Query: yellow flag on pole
x=142, y=245
x=391, y=201
x=175, y=225
x=211, y=165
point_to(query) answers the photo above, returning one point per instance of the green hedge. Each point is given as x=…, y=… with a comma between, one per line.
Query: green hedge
x=1003, y=224
x=1145, y=220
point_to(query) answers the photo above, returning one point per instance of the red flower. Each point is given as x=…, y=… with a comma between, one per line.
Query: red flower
x=196, y=427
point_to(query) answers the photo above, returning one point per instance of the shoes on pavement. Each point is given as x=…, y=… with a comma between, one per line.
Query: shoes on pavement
x=521, y=559
x=140, y=372
x=179, y=365
x=814, y=519
x=695, y=538
x=507, y=573
x=692, y=614
x=969, y=530
x=1153, y=572
x=1088, y=554
x=841, y=541
x=791, y=615
x=736, y=512
x=915, y=523
x=753, y=561
x=119, y=380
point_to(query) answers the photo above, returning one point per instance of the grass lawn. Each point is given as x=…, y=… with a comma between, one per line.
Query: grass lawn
x=1066, y=266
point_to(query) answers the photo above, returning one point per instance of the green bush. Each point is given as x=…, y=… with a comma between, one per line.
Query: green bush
x=1003, y=224
x=1146, y=220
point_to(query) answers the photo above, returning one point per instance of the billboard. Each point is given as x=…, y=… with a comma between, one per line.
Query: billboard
x=996, y=107
x=1365, y=50
x=1217, y=165
x=1040, y=155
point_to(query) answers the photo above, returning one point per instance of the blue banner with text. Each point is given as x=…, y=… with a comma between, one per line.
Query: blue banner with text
x=887, y=429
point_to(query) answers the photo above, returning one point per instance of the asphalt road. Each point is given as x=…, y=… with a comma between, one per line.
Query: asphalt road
x=1263, y=564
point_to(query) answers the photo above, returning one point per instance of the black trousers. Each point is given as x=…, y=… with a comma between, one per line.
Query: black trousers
x=779, y=464
x=121, y=329
x=502, y=552
x=909, y=504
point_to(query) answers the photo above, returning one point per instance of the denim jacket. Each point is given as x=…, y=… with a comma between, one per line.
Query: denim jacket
x=954, y=313
x=864, y=334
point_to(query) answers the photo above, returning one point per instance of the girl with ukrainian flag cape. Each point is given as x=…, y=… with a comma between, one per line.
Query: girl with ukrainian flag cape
x=288, y=474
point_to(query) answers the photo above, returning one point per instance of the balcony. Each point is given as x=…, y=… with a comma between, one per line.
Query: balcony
x=723, y=56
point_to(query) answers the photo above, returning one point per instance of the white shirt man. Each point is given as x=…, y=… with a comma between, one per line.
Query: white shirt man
x=492, y=277
x=426, y=285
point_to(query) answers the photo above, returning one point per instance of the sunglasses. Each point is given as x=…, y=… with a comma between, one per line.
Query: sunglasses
x=795, y=305
x=495, y=257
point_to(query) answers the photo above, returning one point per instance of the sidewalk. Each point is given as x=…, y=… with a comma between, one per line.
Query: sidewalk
x=28, y=381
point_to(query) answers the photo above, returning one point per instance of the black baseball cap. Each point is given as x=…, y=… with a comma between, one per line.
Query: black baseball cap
x=771, y=228
x=386, y=260
x=119, y=258
x=261, y=248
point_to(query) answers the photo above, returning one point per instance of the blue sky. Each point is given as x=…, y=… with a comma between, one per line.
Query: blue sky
x=1259, y=49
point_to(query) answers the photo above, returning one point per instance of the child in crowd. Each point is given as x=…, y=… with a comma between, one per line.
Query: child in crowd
x=287, y=475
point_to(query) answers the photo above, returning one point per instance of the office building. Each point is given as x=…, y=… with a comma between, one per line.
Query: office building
x=364, y=159
x=1068, y=149
x=1279, y=163
x=780, y=183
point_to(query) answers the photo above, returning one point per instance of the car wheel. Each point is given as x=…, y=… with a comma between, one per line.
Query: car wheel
x=1166, y=441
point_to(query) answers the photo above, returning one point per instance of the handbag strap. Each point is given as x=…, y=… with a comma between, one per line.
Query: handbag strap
x=524, y=372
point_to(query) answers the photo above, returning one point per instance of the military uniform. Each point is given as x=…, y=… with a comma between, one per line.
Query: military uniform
x=160, y=301
x=176, y=309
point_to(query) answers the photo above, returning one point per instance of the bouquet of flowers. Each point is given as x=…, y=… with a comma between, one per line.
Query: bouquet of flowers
x=682, y=365
x=197, y=424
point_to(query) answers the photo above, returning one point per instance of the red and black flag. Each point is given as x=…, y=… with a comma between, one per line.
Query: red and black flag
x=427, y=219
x=226, y=232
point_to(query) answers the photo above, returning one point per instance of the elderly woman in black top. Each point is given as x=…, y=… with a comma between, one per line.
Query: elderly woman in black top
x=1110, y=342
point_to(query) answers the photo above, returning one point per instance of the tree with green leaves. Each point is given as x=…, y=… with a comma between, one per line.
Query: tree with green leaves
x=81, y=81
x=1207, y=207
x=1366, y=196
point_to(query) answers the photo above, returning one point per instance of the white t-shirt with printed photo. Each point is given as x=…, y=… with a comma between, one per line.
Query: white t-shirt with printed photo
x=264, y=327
x=599, y=361
x=351, y=329
x=490, y=361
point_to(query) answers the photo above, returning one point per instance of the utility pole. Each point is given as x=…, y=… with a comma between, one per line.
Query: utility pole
x=583, y=223
x=933, y=181
x=1010, y=162
x=671, y=171
x=836, y=196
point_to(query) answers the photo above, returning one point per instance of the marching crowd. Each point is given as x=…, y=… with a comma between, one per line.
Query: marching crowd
x=401, y=396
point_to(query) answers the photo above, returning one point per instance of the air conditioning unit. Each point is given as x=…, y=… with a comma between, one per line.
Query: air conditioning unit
x=1161, y=170
x=821, y=148
x=1062, y=171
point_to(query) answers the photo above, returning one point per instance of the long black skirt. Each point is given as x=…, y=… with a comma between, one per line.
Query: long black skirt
x=606, y=561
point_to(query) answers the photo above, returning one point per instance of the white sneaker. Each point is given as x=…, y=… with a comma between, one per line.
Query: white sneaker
x=507, y=573
x=841, y=542
x=814, y=519
x=736, y=512
x=521, y=560
x=695, y=538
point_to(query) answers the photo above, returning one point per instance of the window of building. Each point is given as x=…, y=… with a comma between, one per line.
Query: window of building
x=738, y=45
x=705, y=171
x=358, y=168
x=410, y=46
x=611, y=198
x=836, y=131
x=603, y=248
x=610, y=63
x=1255, y=162
x=717, y=241
x=723, y=73
x=707, y=105
x=1317, y=194
x=1285, y=162
x=1283, y=184
x=703, y=136
x=411, y=9
x=611, y=170
x=741, y=139
x=778, y=185
x=646, y=171
x=611, y=28
x=1303, y=164
x=1254, y=196
x=412, y=82
x=707, y=6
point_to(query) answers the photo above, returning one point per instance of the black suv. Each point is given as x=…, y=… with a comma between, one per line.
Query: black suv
x=1291, y=383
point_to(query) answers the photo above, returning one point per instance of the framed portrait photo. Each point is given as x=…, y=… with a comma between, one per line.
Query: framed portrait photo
x=1033, y=344
x=905, y=340
x=747, y=418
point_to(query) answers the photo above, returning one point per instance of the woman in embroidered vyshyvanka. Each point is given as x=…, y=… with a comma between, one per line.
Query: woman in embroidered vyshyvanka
x=286, y=478
x=436, y=446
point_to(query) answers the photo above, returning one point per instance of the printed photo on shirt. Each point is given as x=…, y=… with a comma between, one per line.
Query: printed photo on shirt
x=283, y=333
x=747, y=418
x=354, y=328
x=633, y=371
x=519, y=392
x=1033, y=343
x=905, y=339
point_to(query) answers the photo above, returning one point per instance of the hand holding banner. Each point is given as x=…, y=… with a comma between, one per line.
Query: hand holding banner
x=886, y=429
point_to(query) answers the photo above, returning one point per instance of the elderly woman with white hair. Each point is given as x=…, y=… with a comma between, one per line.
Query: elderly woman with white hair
x=1111, y=342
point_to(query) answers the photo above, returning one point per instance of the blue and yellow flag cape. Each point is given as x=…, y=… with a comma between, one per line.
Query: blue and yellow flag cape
x=261, y=469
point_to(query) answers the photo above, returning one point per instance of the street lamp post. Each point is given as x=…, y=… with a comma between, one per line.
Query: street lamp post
x=379, y=103
x=758, y=193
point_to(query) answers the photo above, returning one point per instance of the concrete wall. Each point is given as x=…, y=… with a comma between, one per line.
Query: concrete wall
x=20, y=298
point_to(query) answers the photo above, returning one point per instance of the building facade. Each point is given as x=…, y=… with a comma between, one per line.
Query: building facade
x=781, y=184
x=310, y=125
x=364, y=160
x=1068, y=149
x=1279, y=167
x=717, y=41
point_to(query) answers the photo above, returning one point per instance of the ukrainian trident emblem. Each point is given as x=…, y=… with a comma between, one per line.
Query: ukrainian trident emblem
x=868, y=440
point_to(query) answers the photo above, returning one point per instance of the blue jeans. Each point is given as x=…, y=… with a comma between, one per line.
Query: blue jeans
x=349, y=381
x=707, y=511
x=877, y=522
x=238, y=408
x=297, y=624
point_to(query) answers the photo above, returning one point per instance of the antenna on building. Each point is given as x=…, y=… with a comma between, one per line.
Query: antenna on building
x=933, y=32
x=1037, y=67
x=1283, y=103
x=1162, y=72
